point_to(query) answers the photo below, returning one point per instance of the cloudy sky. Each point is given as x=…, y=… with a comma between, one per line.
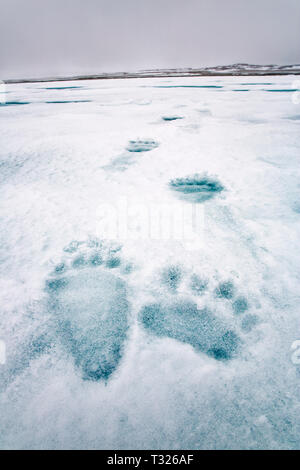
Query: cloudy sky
x=64, y=37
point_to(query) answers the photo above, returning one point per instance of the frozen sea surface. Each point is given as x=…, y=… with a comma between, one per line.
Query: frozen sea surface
x=140, y=340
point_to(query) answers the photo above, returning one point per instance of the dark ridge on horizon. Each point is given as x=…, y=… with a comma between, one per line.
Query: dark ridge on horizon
x=241, y=69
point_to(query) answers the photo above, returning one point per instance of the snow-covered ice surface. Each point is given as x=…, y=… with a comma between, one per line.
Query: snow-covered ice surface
x=150, y=343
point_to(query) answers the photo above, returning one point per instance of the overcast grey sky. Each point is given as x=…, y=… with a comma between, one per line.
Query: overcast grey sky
x=64, y=37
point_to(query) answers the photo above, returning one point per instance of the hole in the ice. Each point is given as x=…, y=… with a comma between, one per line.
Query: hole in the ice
x=171, y=118
x=261, y=84
x=197, y=188
x=63, y=88
x=141, y=145
x=67, y=101
x=184, y=322
x=225, y=290
x=14, y=103
x=189, y=86
x=283, y=90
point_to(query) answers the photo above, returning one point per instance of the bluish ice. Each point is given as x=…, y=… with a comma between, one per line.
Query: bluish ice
x=116, y=338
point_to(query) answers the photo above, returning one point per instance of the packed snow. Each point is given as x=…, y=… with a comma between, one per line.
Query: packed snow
x=149, y=275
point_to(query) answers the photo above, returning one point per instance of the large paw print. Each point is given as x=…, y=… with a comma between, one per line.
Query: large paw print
x=87, y=294
x=181, y=319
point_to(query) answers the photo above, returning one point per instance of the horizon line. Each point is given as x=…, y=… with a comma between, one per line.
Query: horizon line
x=241, y=69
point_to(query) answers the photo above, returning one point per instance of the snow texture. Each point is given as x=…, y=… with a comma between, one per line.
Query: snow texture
x=140, y=342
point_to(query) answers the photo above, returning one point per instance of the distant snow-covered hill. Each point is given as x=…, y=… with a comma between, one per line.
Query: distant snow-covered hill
x=219, y=70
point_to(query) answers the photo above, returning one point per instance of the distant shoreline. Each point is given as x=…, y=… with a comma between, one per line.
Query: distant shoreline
x=241, y=70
